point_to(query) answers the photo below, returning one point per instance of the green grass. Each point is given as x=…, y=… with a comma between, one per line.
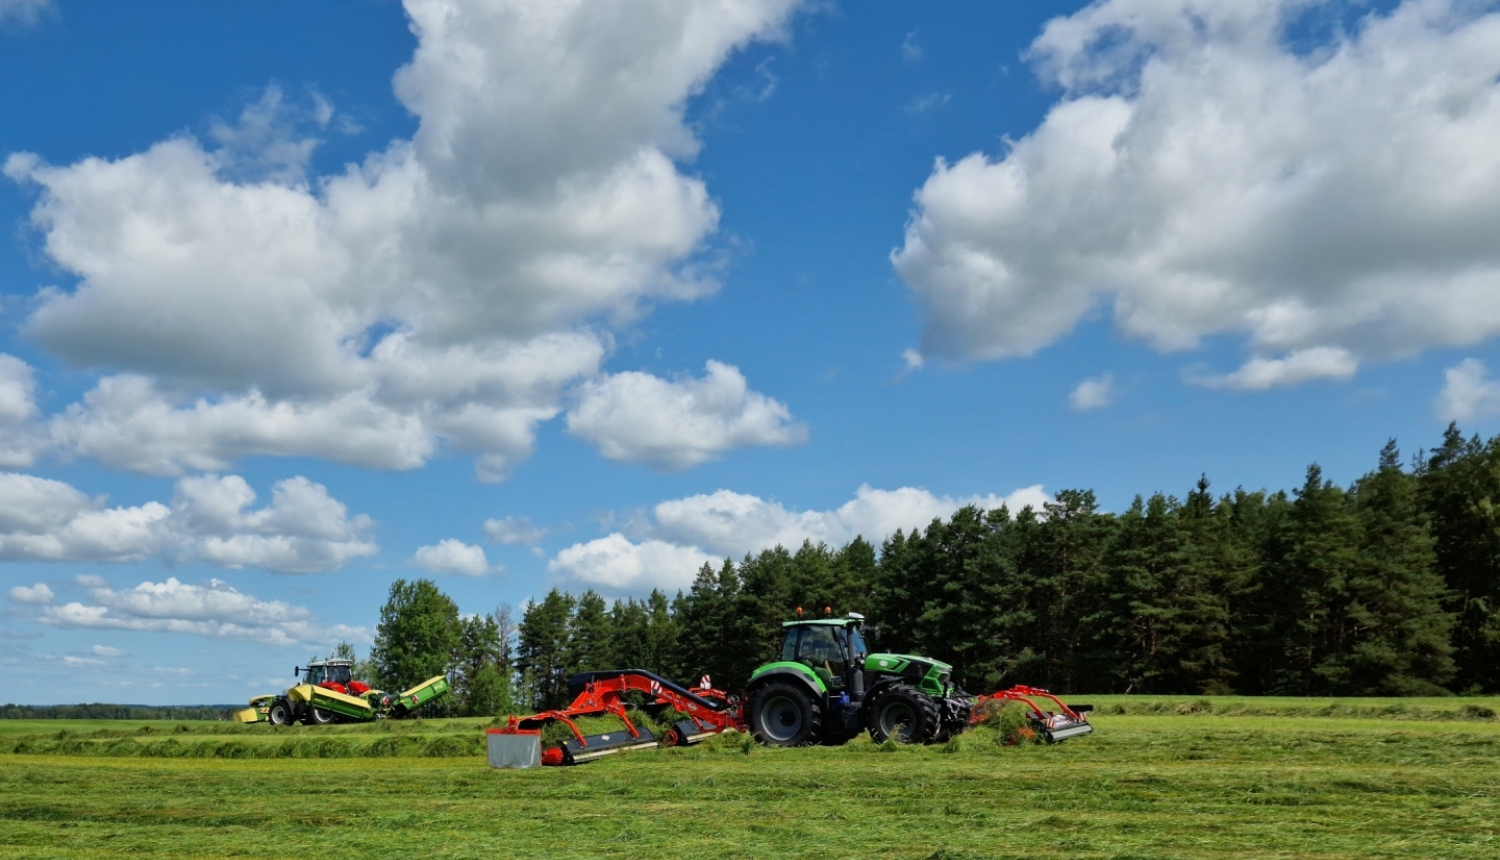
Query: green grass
x=1256, y=778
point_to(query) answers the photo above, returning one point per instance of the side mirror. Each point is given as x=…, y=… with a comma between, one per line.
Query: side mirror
x=296, y=671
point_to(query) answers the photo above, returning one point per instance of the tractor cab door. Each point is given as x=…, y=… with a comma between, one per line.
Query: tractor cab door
x=820, y=649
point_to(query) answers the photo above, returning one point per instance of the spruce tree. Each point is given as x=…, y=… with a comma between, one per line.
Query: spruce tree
x=591, y=636
x=1399, y=633
x=1323, y=565
x=541, y=649
x=1460, y=484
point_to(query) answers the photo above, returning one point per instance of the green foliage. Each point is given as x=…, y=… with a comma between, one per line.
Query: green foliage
x=542, y=650
x=418, y=636
x=100, y=711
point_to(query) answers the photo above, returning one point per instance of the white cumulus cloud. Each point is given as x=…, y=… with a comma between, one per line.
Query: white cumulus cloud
x=24, y=12
x=38, y=593
x=452, y=556
x=617, y=564
x=302, y=530
x=1468, y=393
x=674, y=424
x=1093, y=393
x=21, y=437
x=514, y=530
x=1204, y=179
x=680, y=535
x=1304, y=365
x=446, y=290
x=214, y=609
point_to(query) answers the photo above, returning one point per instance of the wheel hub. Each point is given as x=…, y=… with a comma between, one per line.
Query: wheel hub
x=781, y=719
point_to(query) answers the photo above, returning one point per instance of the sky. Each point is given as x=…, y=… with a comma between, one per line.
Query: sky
x=300, y=299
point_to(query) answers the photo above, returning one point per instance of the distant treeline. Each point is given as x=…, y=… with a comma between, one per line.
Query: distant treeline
x=1390, y=586
x=99, y=711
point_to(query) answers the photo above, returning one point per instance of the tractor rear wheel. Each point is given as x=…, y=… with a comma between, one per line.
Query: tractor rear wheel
x=904, y=714
x=280, y=713
x=783, y=715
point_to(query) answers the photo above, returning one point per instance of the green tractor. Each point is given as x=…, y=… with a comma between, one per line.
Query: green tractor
x=827, y=688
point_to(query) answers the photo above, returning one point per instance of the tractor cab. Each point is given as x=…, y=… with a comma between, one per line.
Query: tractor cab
x=831, y=647
x=330, y=674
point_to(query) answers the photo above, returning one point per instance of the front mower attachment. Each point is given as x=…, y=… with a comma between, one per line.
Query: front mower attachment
x=1068, y=721
x=1060, y=727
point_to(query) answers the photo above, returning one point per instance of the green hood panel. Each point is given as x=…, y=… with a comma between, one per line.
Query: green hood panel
x=898, y=662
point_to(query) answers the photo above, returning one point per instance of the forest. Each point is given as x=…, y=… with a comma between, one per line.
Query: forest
x=1390, y=586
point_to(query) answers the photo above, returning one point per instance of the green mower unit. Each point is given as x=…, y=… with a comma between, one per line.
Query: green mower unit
x=827, y=687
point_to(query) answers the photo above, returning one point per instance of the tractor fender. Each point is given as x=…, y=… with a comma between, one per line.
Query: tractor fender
x=788, y=671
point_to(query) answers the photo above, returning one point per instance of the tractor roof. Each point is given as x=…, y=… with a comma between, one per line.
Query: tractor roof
x=331, y=661
x=826, y=622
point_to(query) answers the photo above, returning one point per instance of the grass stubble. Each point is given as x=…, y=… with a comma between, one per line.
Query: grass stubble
x=1161, y=778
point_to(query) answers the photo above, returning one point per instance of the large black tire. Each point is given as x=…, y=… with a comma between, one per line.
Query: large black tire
x=281, y=713
x=784, y=715
x=319, y=717
x=904, y=714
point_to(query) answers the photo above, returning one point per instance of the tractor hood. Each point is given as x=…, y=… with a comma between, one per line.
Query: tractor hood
x=896, y=663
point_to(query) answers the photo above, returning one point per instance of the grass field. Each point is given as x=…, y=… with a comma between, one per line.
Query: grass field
x=1162, y=777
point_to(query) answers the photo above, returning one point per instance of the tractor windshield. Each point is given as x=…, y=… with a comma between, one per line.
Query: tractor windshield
x=339, y=675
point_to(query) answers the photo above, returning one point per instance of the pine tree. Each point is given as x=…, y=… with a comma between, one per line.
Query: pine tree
x=1399, y=635
x=477, y=675
x=591, y=636
x=1264, y=599
x=1069, y=569
x=1322, y=564
x=706, y=622
x=541, y=649
x=659, y=652
x=1460, y=484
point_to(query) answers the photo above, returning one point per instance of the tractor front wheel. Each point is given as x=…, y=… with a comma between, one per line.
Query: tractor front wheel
x=783, y=715
x=319, y=717
x=903, y=714
x=280, y=713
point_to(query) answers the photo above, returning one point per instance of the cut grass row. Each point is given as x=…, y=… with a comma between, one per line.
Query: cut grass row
x=1144, y=786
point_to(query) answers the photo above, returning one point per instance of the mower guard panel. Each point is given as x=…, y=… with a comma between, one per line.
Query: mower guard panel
x=578, y=682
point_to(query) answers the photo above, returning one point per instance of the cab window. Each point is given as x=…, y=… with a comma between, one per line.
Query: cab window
x=857, y=644
x=819, y=649
x=789, y=644
x=339, y=675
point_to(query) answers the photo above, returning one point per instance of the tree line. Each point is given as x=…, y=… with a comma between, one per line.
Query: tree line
x=101, y=711
x=1389, y=586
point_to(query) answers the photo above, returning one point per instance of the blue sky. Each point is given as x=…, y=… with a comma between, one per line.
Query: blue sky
x=296, y=299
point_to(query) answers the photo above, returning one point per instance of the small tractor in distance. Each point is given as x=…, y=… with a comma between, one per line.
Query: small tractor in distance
x=329, y=694
x=827, y=688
